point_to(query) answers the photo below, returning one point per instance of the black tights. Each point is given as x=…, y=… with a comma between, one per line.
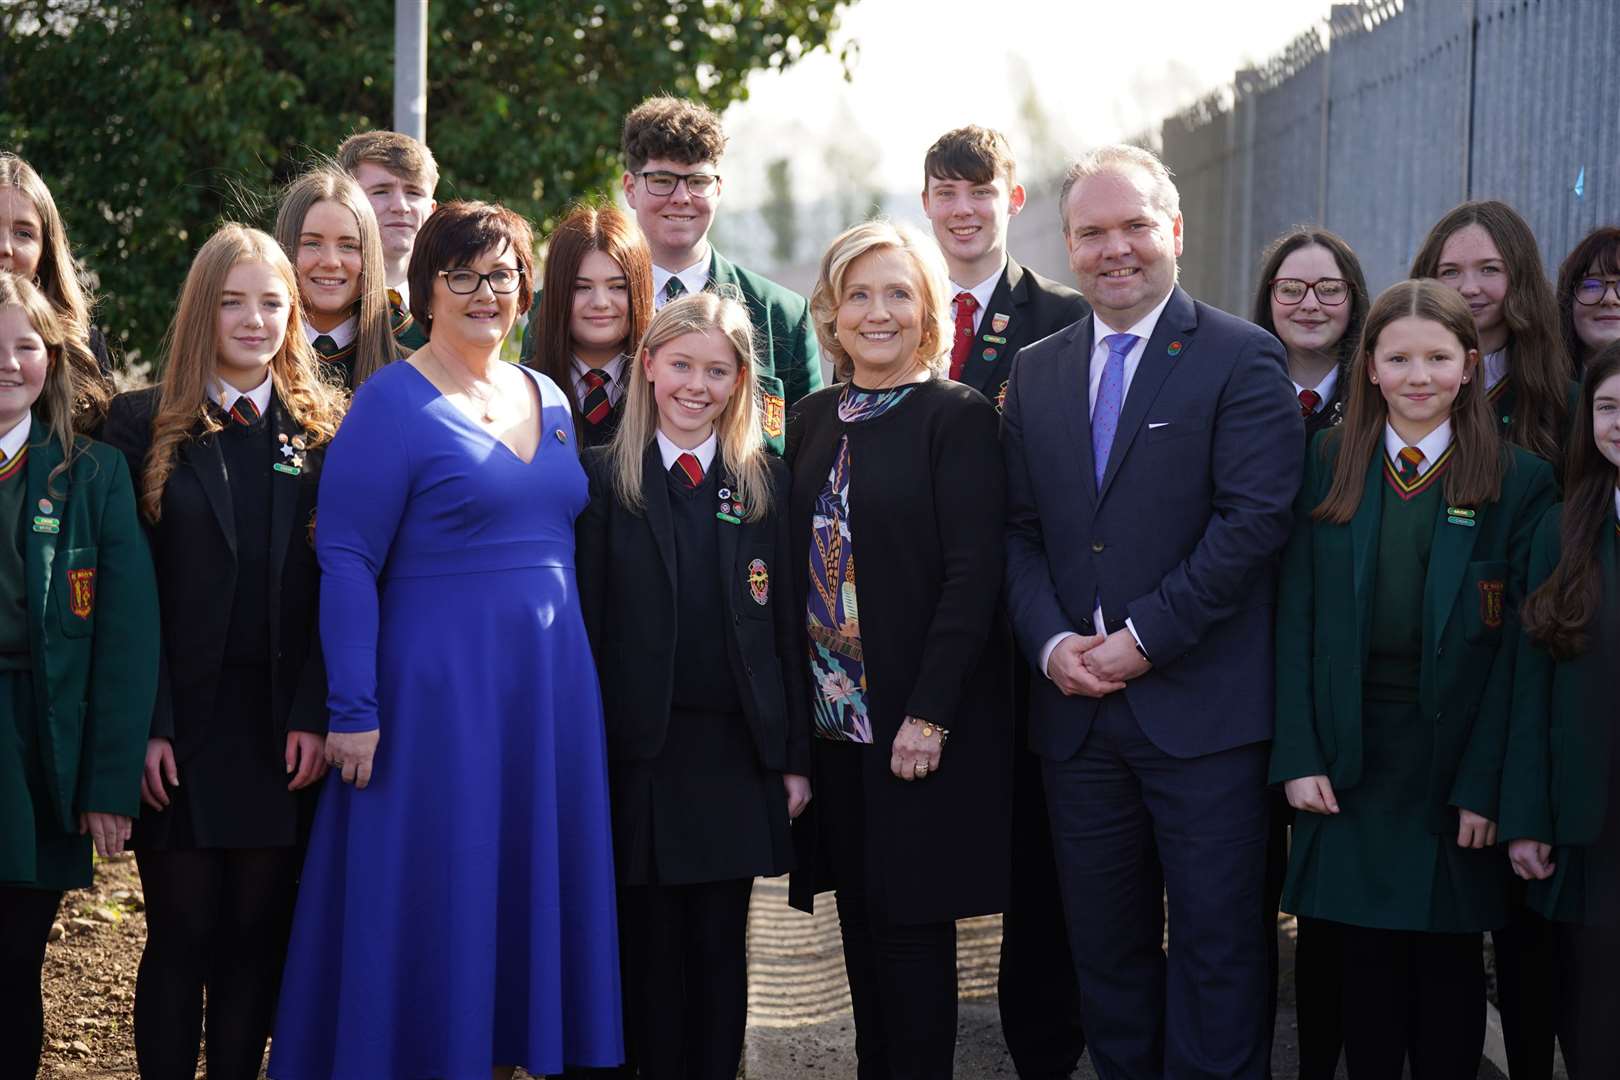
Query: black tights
x=217, y=919
x=25, y=927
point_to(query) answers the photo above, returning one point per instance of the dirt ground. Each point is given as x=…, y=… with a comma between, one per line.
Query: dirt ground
x=799, y=1019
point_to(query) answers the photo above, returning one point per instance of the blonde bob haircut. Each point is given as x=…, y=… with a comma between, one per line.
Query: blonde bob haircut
x=928, y=265
x=185, y=406
x=65, y=353
x=741, y=450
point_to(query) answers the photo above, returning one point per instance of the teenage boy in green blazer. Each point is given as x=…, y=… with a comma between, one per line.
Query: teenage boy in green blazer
x=398, y=175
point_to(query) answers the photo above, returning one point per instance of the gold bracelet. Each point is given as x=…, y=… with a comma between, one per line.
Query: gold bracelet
x=928, y=729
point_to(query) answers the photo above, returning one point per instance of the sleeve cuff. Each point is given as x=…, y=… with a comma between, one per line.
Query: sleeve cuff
x=1131, y=626
x=1051, y=644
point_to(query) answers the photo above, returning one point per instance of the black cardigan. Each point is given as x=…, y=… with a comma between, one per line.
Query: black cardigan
x=927, y=495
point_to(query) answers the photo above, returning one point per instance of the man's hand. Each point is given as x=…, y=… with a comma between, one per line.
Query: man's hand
x=1067, y=668
x=1116, y=659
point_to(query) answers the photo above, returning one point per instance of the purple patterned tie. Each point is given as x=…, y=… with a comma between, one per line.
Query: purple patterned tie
x=1110, y=396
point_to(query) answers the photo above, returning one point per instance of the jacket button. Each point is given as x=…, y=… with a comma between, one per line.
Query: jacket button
x=736, y=619
x=1097, y=546
x=1439, y=650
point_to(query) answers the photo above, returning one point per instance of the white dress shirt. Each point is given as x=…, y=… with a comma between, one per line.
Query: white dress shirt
x=1099, y=359
x=226, y=395
x=12, y=442
x=342, y=334
x=615, y=373
x=980, y=292
x=1432, y=445
x=694, y=277
x=704, y=452
x=1324, y=389
x=1496, y=367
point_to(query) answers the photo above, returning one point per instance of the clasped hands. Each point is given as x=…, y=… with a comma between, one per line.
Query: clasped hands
x=1095, y=666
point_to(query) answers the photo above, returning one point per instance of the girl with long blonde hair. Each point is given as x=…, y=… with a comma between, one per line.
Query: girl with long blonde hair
x=683, y=558
x=229, y=447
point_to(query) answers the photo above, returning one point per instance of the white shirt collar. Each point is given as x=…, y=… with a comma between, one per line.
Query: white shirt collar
x=705, y=451
x=13, y=441
x=1324, y=389
x=1496, y=367
x=259, y=395
x=1144, y=326
x=343, y=333
x=615, y=372
x=694, y=277
x=1431, y=445
x=980, y=292
x=403, y=290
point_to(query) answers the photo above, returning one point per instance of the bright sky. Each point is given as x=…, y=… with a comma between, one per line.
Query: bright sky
x=1103, y=70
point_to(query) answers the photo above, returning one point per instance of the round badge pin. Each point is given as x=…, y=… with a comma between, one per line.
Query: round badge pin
x=44, y=506
x=562, y=436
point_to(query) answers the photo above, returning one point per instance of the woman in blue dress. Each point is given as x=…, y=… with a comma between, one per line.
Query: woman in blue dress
x=456, y=913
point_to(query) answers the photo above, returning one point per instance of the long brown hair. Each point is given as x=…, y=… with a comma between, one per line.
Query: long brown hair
x=1475, y=474
x=1600, y=248
x=58, y=279
x=63, y=350
x=1538, y=367
x=738, y=425
x=1558, y=614
x=588, y=228
x=185, y=399
x=374, y=343
x=1349, y=266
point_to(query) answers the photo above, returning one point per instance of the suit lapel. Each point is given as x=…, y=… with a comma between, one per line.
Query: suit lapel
x=1178, y=322
x=202, y=454
x=1364, y=546
x=990, y=346
x=39, y=545
x=284, y=492
x=727, y=538
x=655, y=485
x=1073, y=399
x=1448, y=561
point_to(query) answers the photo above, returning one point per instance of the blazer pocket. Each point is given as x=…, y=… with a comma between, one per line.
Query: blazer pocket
x=1160, y=431
x=1484, y=601
x=76, y=586
x=772, y=406
x=758, y=582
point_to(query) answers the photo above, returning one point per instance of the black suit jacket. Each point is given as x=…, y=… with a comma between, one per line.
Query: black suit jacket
x=194, y=552
x=626, y=572
x=1028, y=307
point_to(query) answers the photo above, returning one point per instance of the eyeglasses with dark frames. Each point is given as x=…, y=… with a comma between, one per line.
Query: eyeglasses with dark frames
x=1331, y=291
x=662, y=182
x=463, y=282
x=1591, y=291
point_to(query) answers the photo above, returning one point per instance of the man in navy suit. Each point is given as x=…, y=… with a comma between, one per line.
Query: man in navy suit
x=1152, y=459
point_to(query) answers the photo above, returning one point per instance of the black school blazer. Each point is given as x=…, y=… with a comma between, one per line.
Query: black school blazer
x=194, y=552
x=625, y=564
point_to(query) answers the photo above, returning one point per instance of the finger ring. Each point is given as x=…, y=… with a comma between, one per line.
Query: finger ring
x=922, y=770
x=335, y=764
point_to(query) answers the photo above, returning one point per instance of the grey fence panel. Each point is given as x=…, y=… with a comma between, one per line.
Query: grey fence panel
x=1411, y=108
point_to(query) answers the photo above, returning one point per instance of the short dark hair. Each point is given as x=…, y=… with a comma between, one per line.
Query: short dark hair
x=975, y=154
x=400, y=154
x=1600, y=248
x=673, y=129
x=456, y=234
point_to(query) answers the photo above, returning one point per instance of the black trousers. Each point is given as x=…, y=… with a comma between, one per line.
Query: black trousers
x=1319, y=997
x=25, y=929
x=685, y=968
x=1035, y=988
x=216, y=919
x=1413, y=996
x=1527, y=985
x=902, y=976
x=1589, y=1017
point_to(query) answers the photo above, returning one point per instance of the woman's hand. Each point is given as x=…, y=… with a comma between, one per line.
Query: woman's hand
x=352, y=751
x=306, y=758
x=798, y=793
x=159, y=768
x=1313, y=794
x=916, y=755
x=1474, y=831
x=1532, y=860
x=109, y=831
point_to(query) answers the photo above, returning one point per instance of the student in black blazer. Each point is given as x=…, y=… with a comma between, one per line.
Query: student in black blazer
x=1312, y=296
x=227, y=455
x=970, y=193
x=595, y=306
x=682, y=561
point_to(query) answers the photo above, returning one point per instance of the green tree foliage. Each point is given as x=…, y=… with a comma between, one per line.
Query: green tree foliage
x=151, y=120
x=780, y=212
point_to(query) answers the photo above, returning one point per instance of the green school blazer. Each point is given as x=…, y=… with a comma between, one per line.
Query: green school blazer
x=1555, y=786
x=92, y=626
x=1475, y=584
x=785, y=352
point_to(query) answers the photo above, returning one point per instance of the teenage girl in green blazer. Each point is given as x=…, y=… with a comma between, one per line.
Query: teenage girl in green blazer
x=1395, y=633
x=1562, y=824
x=78, y=652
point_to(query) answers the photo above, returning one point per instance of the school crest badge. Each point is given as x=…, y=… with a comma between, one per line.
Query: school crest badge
x=998, y=322
x=759, y=582
x=1001, y=396
x=81, y=592
x=773, y=414
x=1490, y=604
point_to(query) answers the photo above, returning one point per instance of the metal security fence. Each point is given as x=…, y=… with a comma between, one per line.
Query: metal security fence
x=1390, y=116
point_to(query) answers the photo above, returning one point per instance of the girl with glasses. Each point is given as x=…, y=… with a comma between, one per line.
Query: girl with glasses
x=1589, y=295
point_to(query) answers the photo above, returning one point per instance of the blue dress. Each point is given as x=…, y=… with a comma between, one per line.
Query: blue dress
x=459, y=912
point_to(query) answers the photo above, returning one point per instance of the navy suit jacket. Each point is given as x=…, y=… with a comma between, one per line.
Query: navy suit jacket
x=1181, y=537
